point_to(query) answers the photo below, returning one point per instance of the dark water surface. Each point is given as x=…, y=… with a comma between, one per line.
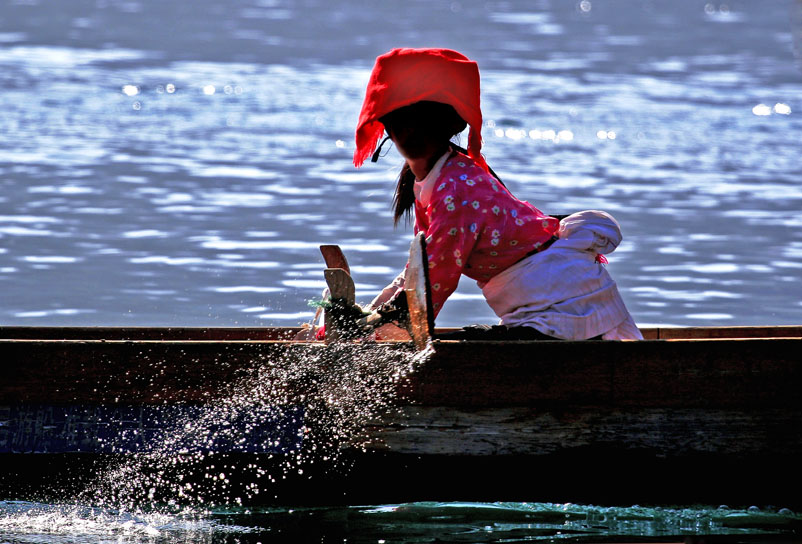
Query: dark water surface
x=178, y=163
x=24, y=522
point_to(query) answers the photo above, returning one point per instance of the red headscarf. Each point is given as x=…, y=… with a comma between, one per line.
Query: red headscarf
x=405, y=76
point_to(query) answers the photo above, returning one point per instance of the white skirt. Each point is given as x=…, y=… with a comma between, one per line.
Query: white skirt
x=563, y=291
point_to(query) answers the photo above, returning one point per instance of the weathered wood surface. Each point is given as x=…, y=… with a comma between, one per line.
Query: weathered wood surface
x=662, y=432
x=688, y=420
x=675, y=373
x=679, y=373
x=147, y=372
x=287, y=333
x=733, y=397
x=149, y=334
x=421, y=315
x=334, y=257
x=701, y=333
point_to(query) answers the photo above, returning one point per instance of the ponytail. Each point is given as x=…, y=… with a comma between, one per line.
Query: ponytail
x=404, y=198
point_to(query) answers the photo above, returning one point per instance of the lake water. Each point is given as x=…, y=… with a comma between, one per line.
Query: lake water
x=178, y=163
x=27, y=522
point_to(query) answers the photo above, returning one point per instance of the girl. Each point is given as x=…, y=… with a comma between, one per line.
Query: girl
x=543, y=277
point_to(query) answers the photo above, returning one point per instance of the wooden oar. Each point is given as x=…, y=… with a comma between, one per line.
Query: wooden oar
x=334, y=257
x=419, y=297
x=416, y=288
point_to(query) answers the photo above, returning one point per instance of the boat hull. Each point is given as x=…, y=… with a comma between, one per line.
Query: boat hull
x=714, y=416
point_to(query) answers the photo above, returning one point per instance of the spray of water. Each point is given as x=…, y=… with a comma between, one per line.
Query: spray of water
x=29, y=522
x=281, y=418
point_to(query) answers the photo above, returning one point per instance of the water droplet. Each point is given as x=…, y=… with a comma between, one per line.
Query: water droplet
x=209, y=90
x=130, y=90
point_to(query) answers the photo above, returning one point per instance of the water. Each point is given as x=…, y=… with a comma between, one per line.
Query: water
x=411, y=523
x=178, y=163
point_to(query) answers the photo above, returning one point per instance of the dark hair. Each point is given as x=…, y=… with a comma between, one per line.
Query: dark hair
x=434, y=120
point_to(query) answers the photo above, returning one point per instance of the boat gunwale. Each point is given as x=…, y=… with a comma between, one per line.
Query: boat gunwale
x=285, y=335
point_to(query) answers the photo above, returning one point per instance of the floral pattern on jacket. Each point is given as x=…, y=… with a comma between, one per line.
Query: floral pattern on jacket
x=475, y=226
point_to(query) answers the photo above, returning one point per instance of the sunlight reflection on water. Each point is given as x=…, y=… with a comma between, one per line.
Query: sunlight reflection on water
x=413, y=522
x=137, y=159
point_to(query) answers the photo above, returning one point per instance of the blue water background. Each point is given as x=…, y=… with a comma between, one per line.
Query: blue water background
x=425, y=522
x=178, y=163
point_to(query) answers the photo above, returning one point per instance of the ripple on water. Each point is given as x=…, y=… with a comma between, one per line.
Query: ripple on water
x=270, y=149
x=409, y=522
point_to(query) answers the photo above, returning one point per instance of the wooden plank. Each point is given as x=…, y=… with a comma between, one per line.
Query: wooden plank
x=287, y=333
x=555, y=374
x=547, y=374
x=341, y=286
x=787, y=331
x=157, y=372
x=419, y=300
x=148, y=333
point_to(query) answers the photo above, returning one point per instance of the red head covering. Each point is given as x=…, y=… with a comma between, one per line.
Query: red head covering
x=405, y=76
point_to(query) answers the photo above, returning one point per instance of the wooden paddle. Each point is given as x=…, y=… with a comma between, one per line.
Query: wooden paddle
x=341, y=287
x=416, y=289
x=419, y=296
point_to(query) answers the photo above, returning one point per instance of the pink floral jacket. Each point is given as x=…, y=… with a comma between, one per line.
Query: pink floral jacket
x=474, y=226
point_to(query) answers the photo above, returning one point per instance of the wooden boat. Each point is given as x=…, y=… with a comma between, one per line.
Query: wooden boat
x=688, y=415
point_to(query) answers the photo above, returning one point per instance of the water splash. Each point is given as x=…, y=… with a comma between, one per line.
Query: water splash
x=24, y=522
x=409, y=522
x=317, y=403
